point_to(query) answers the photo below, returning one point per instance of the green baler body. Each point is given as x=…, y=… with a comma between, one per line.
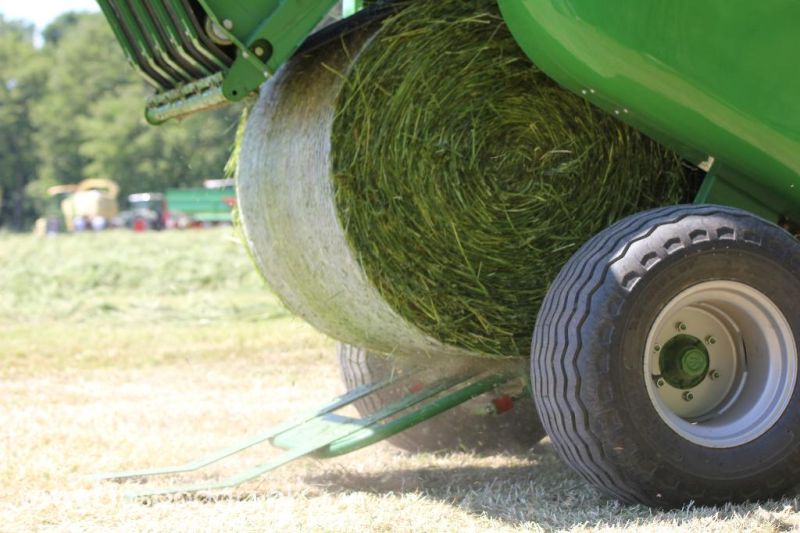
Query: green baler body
x=712, y=79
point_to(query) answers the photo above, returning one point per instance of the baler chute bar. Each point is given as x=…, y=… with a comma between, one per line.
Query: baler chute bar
x=323, y=433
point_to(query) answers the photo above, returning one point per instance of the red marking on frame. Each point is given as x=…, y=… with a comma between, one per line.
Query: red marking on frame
x=503, y=404
x=416, y=387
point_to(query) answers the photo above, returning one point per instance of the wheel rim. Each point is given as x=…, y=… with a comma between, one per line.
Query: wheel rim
x=720, y=364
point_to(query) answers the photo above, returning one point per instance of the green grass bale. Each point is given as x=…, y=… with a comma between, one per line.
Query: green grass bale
x=462, y=177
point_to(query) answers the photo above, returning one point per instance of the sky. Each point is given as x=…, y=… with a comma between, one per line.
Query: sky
x=42, y=12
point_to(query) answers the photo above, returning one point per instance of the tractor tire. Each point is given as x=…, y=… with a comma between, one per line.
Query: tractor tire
x=664, y=358
x=467, y=427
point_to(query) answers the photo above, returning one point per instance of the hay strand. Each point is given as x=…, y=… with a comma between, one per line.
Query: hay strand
x=462, y=178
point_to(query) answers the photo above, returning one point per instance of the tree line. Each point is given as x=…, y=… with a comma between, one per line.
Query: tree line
x=72, y=109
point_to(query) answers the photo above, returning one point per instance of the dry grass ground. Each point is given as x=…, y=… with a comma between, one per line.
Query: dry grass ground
x=123, y=350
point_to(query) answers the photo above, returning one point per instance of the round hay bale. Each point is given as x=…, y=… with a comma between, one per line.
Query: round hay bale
x=417, y=186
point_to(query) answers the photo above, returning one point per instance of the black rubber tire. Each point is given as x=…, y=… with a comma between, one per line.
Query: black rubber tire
x=464, y=428
x=588, y=352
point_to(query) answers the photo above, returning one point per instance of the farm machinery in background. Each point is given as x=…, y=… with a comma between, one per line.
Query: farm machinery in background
x=209, y=205
x=664, y=361
x=147, y=211
x=92, y=205
x=89, y=205
x=182, y=208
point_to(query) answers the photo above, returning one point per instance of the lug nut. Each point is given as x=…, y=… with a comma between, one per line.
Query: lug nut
x=711, y=340
x=657, y=348
x=714, y=374
x=660, y=382
x=688, y=396
x=681, y=326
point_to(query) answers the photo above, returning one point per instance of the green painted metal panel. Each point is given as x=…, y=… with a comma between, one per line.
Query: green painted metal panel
x=275, y=27
x=711, y=78
x=242, y=16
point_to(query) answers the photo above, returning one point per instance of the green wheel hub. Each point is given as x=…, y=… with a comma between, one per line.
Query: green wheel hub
x=684, y=361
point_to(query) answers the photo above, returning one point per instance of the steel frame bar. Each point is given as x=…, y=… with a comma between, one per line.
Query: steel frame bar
x=254, y=440
x=333, y=433
x=330, y=435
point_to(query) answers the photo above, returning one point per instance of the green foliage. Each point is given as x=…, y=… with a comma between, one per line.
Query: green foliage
x=21, y=76
x=84, y=66
x=73, y=109
x=64, y=23
x=122, y=146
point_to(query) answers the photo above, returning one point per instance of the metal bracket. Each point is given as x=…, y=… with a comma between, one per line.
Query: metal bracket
x=722, y=191
x=200, y=95
x=261, y=51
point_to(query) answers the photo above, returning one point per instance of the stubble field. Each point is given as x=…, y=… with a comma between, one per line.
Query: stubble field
x=121, y=350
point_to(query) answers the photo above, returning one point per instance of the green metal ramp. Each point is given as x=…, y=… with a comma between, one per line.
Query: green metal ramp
x=323, y=433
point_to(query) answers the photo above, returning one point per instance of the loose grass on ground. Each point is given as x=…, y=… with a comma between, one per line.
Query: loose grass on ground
x=194, y=353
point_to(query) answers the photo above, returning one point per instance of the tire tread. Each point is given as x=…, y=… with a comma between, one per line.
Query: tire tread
x=556, y=376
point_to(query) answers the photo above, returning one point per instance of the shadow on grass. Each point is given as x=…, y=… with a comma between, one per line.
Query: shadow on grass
x=447, y=481
x=545, y=492
x=538, y=490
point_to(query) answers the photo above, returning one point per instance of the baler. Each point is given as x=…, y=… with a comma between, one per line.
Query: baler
x=664, y=356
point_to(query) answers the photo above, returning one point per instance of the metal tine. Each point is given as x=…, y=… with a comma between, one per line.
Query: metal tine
x=313, y=444
x=156, y=42
x=128, y=46
x=171, y=35
x=148, y=58
x=186, y=34
x=337, y=403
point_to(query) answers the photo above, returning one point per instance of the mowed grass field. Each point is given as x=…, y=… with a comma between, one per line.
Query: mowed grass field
x=123, y=350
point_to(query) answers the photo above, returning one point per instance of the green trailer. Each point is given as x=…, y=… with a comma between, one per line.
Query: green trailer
x=192, y=206
x=664, y=357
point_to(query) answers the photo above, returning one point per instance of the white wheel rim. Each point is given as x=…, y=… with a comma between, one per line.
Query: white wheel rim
x=751, y=359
